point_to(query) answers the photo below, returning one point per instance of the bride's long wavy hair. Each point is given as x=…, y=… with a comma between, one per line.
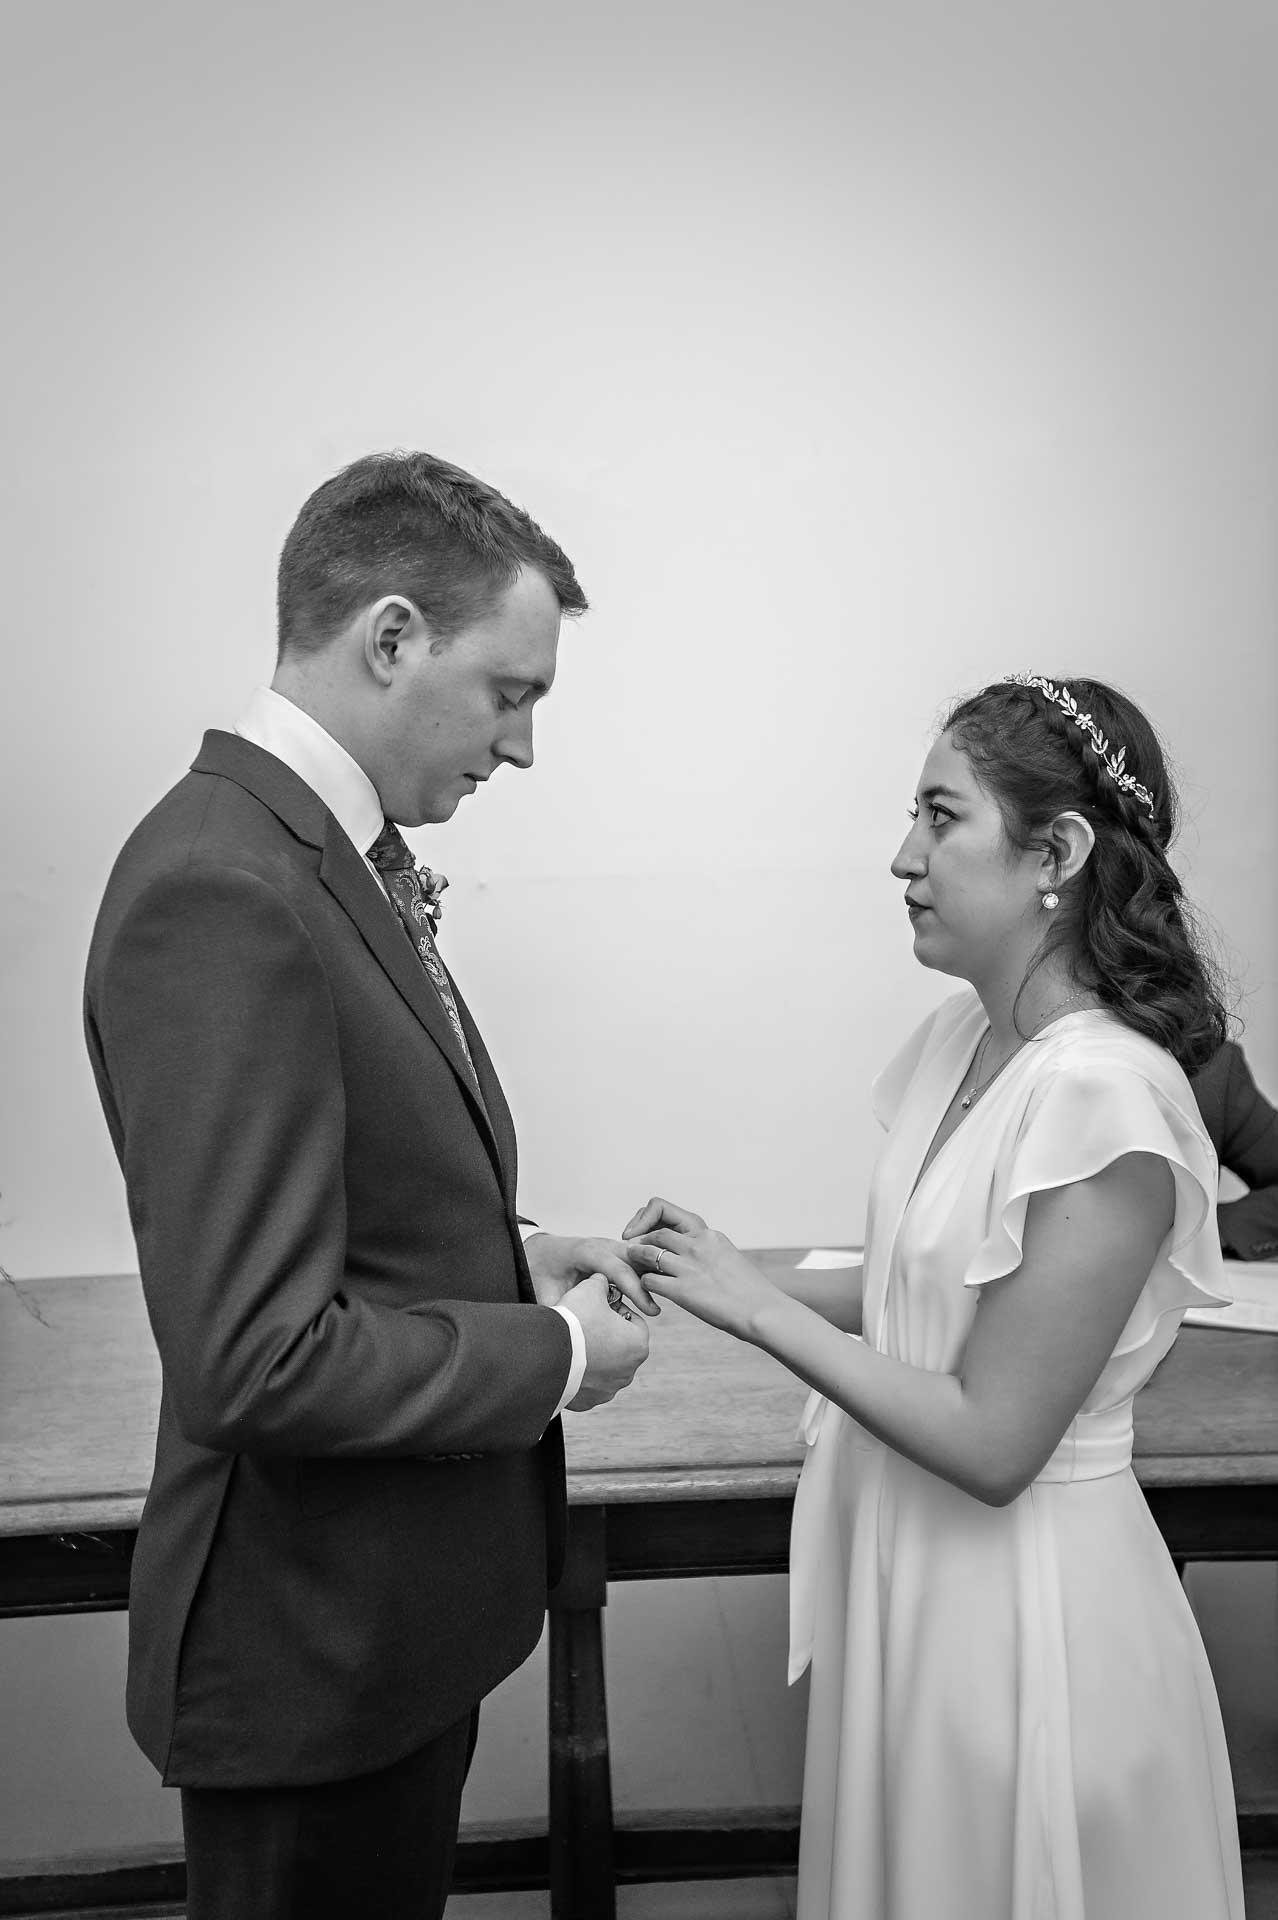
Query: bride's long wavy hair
x=1124, y=922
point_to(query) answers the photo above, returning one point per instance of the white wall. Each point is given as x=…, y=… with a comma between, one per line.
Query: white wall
x=857, y=353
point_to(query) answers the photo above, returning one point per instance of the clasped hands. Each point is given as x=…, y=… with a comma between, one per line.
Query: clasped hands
x=664, y=1248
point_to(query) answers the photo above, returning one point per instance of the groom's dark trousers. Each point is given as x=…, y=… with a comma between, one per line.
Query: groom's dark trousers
x=368, y=1849
x=358, y=1486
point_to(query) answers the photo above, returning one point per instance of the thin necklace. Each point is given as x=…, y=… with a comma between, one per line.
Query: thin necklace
x=978, y=1088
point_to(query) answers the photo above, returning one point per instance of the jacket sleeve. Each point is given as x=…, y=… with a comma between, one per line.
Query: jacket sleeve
x=220, y=1048
x=1248, y=1146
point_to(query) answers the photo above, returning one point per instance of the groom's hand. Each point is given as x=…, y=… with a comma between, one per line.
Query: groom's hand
x=558, y=1262
x=616, y=1343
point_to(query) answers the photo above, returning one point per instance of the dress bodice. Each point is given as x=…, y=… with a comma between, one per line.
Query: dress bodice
x=1077, y=1097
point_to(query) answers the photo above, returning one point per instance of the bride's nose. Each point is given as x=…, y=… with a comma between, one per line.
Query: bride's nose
x=910, y=862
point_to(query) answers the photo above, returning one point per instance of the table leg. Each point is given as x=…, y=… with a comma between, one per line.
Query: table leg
x=582, y=1877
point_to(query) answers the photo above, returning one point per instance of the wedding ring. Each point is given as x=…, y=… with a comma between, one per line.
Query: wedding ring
x=660, y=1268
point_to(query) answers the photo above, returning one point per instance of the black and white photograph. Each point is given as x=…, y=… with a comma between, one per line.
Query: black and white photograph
x=639, y=960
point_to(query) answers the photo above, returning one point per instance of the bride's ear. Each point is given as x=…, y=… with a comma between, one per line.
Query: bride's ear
x=1070, y=842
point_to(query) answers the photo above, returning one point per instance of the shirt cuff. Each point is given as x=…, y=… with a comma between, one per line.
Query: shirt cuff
x=527, y=1229
x=577, y=1371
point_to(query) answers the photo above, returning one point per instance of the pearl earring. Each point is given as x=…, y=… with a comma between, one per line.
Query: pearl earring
x=1051, y=901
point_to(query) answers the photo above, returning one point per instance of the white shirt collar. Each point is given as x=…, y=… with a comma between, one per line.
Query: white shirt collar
x=271, y=721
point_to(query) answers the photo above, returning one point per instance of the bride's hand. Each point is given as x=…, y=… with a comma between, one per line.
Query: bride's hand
x=679, y=1256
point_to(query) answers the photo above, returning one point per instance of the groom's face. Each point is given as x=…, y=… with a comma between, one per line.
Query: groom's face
x=461, y=708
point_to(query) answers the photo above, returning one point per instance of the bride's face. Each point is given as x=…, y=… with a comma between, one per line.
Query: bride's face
x=971, y=896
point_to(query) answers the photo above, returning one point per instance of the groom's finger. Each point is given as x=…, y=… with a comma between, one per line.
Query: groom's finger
x=624, y=1277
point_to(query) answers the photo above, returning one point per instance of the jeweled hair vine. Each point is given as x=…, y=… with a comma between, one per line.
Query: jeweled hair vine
x=1113, y=761
x=1040, y=747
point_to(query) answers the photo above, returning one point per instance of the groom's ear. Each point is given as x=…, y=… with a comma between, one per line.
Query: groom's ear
x=387, y=624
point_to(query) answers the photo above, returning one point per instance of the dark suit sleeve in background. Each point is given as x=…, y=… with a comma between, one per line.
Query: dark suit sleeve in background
x=1244, y=1131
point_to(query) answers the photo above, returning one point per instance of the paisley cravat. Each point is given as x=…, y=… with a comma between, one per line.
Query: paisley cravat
x=414, y=894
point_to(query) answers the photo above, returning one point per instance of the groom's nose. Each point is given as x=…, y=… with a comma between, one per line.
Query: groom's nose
x=514, y=743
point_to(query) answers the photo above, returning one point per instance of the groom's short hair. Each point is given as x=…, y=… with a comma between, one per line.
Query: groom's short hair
x=408, y=523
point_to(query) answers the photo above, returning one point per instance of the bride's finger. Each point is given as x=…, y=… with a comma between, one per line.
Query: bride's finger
x=654, y=1258
x=661, y=1213
x=663, y=1237
x=641, y=1219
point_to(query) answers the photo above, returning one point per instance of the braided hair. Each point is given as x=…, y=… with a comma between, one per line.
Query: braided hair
x=1124, y=921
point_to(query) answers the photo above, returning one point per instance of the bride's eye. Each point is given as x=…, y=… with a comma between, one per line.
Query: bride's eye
x=913, y=812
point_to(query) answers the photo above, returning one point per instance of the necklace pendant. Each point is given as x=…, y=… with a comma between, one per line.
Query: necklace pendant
x=967, y=1100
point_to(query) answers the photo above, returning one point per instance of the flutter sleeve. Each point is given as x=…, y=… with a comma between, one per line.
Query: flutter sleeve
x=1079, y=1119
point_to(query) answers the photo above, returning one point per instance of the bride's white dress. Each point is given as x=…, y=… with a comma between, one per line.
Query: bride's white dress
x=1011, y=1714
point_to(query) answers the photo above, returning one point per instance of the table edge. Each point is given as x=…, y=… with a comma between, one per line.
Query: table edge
x=121, y=1512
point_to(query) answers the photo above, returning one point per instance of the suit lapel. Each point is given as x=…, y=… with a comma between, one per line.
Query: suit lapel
x=354, y=888
x=346, y=877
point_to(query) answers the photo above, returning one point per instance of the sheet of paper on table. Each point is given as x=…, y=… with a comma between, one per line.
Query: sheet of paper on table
x=1254, y=1285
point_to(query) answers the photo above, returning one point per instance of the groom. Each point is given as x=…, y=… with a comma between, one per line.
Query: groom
x=358, y=1497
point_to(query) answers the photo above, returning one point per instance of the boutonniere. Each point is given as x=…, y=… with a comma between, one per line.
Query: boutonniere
x=432, y=886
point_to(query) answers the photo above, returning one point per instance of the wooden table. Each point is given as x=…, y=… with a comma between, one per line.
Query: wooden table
x=692, y=1472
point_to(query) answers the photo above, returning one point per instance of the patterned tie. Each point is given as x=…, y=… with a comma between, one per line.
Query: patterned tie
x=414, y=894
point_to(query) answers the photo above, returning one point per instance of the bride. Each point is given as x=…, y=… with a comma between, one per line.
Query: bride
x=1011, y=1713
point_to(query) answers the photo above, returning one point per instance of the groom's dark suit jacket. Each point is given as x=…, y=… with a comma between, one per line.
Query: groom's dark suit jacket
x=347, y=1537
